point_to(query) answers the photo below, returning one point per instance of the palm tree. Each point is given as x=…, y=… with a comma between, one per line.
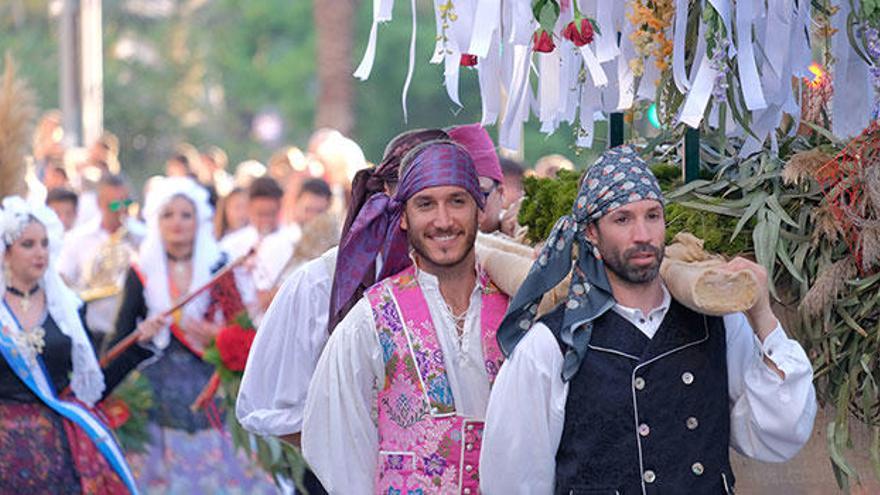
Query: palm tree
x=334, y=25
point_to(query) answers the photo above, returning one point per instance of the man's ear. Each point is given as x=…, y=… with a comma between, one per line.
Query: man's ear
x=403, y=225
x=481, y=217
x=592, y=232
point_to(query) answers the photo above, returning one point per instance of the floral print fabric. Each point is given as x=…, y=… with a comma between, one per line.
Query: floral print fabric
x=423, y=442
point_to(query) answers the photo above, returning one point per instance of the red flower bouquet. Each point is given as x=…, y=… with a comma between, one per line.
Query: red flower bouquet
x=234, y=344
x=116, y=412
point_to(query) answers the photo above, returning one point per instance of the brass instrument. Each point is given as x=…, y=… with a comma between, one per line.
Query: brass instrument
x=104, y=273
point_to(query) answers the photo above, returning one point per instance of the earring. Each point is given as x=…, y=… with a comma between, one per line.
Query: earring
x=596, y=253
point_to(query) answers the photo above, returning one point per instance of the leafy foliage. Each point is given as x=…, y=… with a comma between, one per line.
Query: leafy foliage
x=781, y=209
x=275, y=456
x=136, y=394
x=545, y=201
x=715, y=230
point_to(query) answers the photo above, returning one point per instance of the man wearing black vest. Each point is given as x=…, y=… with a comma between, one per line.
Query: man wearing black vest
x=621, y=389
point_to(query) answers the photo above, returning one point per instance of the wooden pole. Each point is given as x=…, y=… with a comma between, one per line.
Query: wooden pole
x=131, y=338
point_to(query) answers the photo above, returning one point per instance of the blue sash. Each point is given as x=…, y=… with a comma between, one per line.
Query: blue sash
x=36, y=378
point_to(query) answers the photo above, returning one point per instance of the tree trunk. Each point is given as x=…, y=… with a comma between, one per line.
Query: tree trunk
x=334, y=26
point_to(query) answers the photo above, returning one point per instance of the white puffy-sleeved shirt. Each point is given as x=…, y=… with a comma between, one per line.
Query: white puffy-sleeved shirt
x=770, y=418
x=285, y=351
x=340, y=435
x=79, y=254
x=238, y=242
x=273, y=254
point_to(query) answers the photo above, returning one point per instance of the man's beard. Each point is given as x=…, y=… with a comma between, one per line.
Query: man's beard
x=416, y=241
x=617, y=263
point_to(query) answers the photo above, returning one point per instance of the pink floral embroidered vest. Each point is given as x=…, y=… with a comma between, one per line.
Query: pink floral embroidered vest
x=425, y=447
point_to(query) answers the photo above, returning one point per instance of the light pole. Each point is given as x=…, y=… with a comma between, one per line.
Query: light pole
x=68, y=44
x=82, y=71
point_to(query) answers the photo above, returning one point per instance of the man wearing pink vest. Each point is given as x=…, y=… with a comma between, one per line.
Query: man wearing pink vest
x=399, y=394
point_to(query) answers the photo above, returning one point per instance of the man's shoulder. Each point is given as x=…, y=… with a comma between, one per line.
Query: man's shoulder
x=679, y=310
x=239, y=235
x=85, y=230
x=136, y=228
x=239, y=241
x=553, y=322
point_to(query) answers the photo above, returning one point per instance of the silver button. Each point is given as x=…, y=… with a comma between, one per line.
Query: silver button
x=687, y=377
x=692, y=423
x=469, y=446
x=468, y=468
x=470, y=427
x=434, y=410
x=466, y=491
x=644, y=430
x=649, y=476
x=697, y=468
x=639, y=383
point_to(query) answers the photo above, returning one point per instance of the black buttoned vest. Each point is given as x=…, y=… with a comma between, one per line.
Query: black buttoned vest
x=648, y=415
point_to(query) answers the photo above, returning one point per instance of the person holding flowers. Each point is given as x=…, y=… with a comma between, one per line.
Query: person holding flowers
x=179, y=255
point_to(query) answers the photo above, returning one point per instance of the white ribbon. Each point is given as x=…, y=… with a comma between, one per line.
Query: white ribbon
x=522, y=23
x=648, y=84
x=750, y=82
x=589, y=105
x=439, y=51
x=610, y=93
x=765, y=121
x=569, y=87
x=488, y=19
x=452, y=65
x=679, y=73
x=548, y=89
x=850, y=109
x=606, y=42
x=593, y=66
x=802, y=52
x=412, y=62
x=776, y=48
x=698, y=97
x=381, y=13
x=488, y=71
x=625, y=75
x=517, y=102
x=462, y=28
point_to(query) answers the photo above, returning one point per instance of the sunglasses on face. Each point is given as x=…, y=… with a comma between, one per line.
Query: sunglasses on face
x=120, y=205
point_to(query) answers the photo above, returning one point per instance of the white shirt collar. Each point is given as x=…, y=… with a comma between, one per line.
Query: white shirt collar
x=430, y=281
x=650, y=323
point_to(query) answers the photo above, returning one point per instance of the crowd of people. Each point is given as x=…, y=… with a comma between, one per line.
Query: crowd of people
x=402, y=339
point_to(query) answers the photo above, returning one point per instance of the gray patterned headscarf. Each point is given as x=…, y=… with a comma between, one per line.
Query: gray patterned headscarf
x=618, y=177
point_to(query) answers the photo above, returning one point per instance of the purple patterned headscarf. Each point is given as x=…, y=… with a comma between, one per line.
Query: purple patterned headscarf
x=370, y=181
x=377, y=227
